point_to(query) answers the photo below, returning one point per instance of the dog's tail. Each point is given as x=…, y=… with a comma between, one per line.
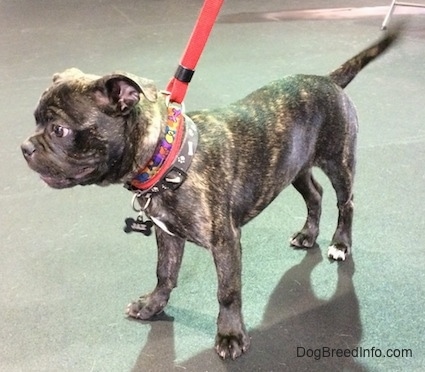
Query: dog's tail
x=343, y=75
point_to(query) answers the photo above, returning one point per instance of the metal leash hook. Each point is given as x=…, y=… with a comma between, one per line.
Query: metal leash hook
x=139, y=209
x=180, y=105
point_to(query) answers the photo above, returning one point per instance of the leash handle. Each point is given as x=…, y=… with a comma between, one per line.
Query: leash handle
x=179, y=83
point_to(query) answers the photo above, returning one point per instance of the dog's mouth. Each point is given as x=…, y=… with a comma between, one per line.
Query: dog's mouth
x=59, y=182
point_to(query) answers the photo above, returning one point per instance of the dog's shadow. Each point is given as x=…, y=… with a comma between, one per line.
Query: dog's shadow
x=298, y=331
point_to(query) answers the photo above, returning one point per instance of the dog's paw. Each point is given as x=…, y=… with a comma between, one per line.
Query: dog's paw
x=338, y=252
x=146, y=307
x=303, y=240
x=230, y=346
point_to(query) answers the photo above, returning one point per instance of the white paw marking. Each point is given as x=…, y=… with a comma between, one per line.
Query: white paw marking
x=336, y=254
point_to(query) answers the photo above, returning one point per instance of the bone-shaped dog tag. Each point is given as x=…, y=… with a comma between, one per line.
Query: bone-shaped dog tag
x=138, y=225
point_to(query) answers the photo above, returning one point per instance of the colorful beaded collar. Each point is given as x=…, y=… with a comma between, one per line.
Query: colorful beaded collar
x=166, y=170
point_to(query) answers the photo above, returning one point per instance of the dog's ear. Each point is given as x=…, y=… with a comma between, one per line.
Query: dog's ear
x=123, y=91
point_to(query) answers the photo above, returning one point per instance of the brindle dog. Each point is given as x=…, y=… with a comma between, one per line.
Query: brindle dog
x=101, y=130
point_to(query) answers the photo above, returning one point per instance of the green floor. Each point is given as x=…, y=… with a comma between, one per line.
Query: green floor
x=68, y=270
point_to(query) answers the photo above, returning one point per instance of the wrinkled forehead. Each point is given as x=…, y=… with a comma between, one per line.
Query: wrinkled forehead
x=74, y=74
x=68, y=100
x=66, y=83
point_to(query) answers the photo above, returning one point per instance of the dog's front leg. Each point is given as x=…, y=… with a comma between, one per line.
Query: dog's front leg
x=232, y=339
x=170, y=254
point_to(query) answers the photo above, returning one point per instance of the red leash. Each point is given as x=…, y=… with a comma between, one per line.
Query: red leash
x=152, y=177
x=179, y=83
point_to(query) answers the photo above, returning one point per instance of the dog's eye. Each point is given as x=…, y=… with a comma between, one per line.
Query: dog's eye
x=60, y=131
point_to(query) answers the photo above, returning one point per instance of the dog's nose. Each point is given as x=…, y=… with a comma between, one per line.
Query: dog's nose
x=28, y=148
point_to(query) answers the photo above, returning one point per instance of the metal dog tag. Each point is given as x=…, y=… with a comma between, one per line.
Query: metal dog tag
x=138, y=225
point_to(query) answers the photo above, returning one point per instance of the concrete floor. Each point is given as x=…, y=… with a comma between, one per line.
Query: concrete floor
x=68, y=270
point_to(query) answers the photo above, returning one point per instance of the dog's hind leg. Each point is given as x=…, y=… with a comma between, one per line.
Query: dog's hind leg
x=312, y=192
x=341, y=176
x=170, y=254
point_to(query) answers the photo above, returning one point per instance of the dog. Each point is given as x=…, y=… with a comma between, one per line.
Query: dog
x=112, y=129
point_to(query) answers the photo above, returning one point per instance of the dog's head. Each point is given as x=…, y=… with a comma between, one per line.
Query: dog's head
x=87, y=126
